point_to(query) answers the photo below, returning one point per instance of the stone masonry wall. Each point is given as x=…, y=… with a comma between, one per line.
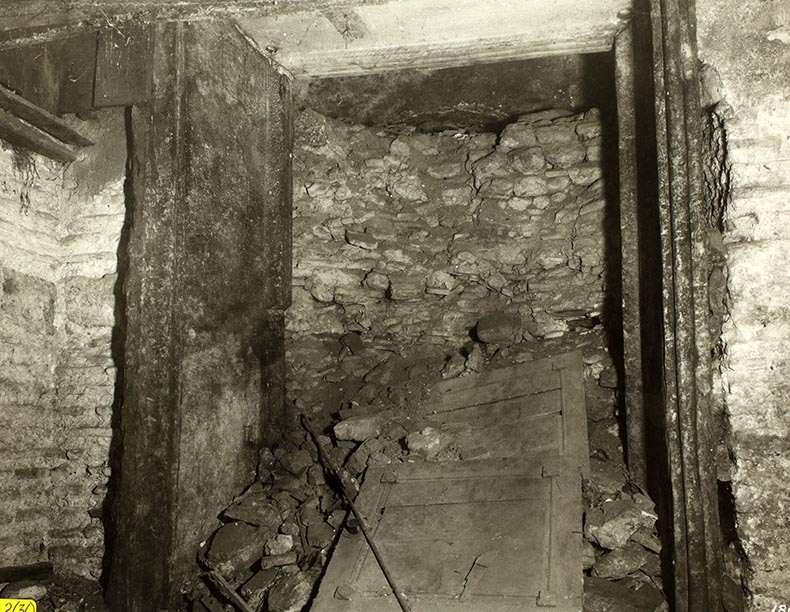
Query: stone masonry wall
x=746, y=50
x=59, y=235
x=404, y=240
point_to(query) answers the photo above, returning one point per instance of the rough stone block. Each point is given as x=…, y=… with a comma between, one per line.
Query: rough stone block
x=517, y=135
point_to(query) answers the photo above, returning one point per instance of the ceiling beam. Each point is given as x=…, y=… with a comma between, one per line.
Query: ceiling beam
x=433, y=34
x=26, y=21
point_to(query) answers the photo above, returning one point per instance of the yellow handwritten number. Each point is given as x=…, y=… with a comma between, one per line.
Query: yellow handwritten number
x=17, y=605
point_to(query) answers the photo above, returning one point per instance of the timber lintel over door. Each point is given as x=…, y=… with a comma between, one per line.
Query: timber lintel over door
x=432, y=34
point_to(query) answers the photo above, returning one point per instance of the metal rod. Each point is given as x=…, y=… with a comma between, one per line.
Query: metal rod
x=363, y=524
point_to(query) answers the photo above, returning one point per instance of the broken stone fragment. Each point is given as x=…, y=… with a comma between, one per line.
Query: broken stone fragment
x=498, y=328
x=602, y=595
x=608, y=378
x=336, y=518
x=372, y=447
x=288, y=483
x=353, y=342
x=254, y=590
x=376, y=280
x=652, y=567
x=297, y=463
x=290, y=528
x=530, y=186
x=290, y=593
x=613, y=524
x=279, y=560
x=454, y=366
x=255, y=509
x=621, y=562
x=319, y=535
x=265, y=459
x=236, y=546
x=648, y=539
x=24, y=589
x=406, y=286
x=495, y=164
x=474, y=359
x=600, y=401
x=278, y=545
x=359, y=429
x=315, y=475
x=428, y=442
x=361, y=240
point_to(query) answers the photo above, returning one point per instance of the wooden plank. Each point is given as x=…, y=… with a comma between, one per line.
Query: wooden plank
x=537, y=368
x=36, y=571
x=33, y=73
x=436, y=34
x=75, y=58
x=635, y=417
x=533, y=409
x=542, y=437
x=488, y=393
x=490, y=468
x=42, y=15
x=16, y=132
x=55, y=75
x=512, y=410
x=123, y=66
x=574, y=421
x=454, y=491
x=41, y=119
x=462, y=543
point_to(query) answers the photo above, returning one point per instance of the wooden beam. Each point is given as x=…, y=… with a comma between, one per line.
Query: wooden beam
x=41, y=119
x=56, y=75
x=208, y=280
x=435, y=34
x=123, y=66
x=16, y=132
x=629, y=261
x=28, y=21
x=36, y=571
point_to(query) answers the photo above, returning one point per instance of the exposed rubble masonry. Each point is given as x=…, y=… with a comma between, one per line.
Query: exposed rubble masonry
x=59, y=233
x=404, y=240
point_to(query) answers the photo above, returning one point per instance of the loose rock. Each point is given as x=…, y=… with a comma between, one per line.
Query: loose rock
x=291, y=593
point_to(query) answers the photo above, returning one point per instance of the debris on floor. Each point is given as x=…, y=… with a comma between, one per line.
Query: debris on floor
x=58, y=594
x=502, y=507
x=276, y=538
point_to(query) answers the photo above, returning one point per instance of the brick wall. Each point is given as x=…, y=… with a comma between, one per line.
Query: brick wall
x=59, y=236
x=408, y=238
x=746, y=46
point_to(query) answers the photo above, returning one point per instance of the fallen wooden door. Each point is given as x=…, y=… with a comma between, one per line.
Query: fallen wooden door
x=498, y=531
x=499, y=535
x=533, y=409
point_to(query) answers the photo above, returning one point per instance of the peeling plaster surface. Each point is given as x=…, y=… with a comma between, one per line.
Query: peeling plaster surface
x=747, y=44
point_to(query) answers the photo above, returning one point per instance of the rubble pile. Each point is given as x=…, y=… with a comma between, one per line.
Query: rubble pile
x=621, y=548
x=276, y=536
